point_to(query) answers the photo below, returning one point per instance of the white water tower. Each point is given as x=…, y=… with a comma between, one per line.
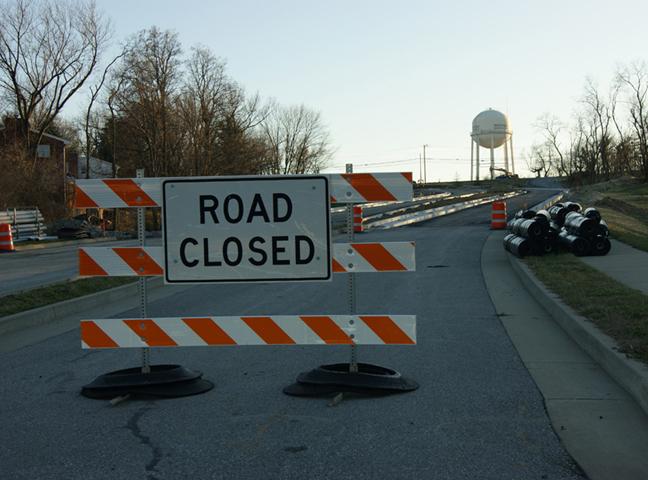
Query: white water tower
x=491, y=129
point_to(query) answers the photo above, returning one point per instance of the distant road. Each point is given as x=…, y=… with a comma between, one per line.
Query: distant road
x=24, y=270
x=544, y=182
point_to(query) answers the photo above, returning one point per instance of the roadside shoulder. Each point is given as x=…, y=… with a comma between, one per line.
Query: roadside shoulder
x=631, y=374
x=32, y=326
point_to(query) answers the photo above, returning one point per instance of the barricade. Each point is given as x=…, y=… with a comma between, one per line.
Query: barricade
x=358, y=227
x=498, y=215
x=6, y=239
x=149, y=261
x=347, y=258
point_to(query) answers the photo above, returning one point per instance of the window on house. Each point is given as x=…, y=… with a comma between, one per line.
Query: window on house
x=43, y=151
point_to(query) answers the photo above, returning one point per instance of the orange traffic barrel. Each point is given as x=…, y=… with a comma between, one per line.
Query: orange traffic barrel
x=498, y=216
x=357, y=219
x=6, y=239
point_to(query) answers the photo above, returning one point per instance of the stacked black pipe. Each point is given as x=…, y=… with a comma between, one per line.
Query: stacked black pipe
x=563, y=225
x=584, y=233
x=531, y=234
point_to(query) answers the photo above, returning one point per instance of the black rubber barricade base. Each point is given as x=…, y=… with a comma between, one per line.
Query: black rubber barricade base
x=168, y=381
x=336, y=378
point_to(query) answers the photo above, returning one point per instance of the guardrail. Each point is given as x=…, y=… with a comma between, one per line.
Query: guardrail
x=410, y=203
x=425, y=215
x=26, y=223
x=545, y=204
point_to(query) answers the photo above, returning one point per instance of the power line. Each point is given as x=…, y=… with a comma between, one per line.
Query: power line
x=408, y=160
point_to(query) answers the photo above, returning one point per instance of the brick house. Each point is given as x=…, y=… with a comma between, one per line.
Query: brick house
x=59, y=158
x=50, y=148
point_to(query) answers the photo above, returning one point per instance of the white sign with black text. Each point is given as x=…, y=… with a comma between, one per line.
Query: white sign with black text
x=246, y=229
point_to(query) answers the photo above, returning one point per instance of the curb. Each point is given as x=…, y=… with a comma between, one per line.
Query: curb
x=45, y=244
x=631, y=374
x=67, y=308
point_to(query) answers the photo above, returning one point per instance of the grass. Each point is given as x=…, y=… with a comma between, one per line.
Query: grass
x=626, y=228
x=623, y=203
x=39, y=297
x=619, y=311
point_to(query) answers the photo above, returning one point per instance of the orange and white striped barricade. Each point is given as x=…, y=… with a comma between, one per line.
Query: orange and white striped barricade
x=498, y=215
x=6, y=239
x=358, y=227
x=322, y=329
x=147, y=192
x=249, y=330
x=149, y=261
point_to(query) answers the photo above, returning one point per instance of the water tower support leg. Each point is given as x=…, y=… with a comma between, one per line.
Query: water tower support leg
x=477, y=161
x=512, y=162
x=472, y=153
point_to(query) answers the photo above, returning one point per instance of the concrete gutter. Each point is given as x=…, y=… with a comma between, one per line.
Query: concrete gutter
x=631, y=374
x=125, y=296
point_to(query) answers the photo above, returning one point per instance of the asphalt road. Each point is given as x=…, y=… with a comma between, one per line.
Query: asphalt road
x=29, y=269
x=477, y=414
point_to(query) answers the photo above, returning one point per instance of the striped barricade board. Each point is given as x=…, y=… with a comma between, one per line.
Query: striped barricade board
x=250, y=330
x=147, y=192
x=148, y=261
x=351, y=329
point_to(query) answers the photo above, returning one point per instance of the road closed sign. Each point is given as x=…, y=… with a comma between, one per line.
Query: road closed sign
x=246, y=229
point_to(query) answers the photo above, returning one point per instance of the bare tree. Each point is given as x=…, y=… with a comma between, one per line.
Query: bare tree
x=150, y=76
x=110, y=103
x=634, y=79
x=202, y=108
x=48, y=50
x=297, y=140
x=88, y=125
x=551, y=129
x=598, y=112
x=541, y=160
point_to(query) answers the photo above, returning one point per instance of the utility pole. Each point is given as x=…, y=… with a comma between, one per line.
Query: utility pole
x=420, y=169
x=424, y=165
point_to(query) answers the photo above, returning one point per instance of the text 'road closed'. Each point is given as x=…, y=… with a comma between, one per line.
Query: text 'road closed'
x=246, y=229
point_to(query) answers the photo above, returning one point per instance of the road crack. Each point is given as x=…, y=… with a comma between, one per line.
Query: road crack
x=82, y=356
x=156, y=452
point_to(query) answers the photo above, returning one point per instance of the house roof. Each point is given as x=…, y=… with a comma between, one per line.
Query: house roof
x=48, y=135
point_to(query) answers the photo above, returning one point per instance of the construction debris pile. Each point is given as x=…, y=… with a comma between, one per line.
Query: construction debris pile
x=81, y=226
x=562, y=226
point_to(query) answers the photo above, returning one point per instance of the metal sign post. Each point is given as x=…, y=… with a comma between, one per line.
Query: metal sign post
x=351, y=284
x=340, y=378
x=141, y=286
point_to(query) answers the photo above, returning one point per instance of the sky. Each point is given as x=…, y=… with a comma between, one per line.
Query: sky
x=389, y=77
